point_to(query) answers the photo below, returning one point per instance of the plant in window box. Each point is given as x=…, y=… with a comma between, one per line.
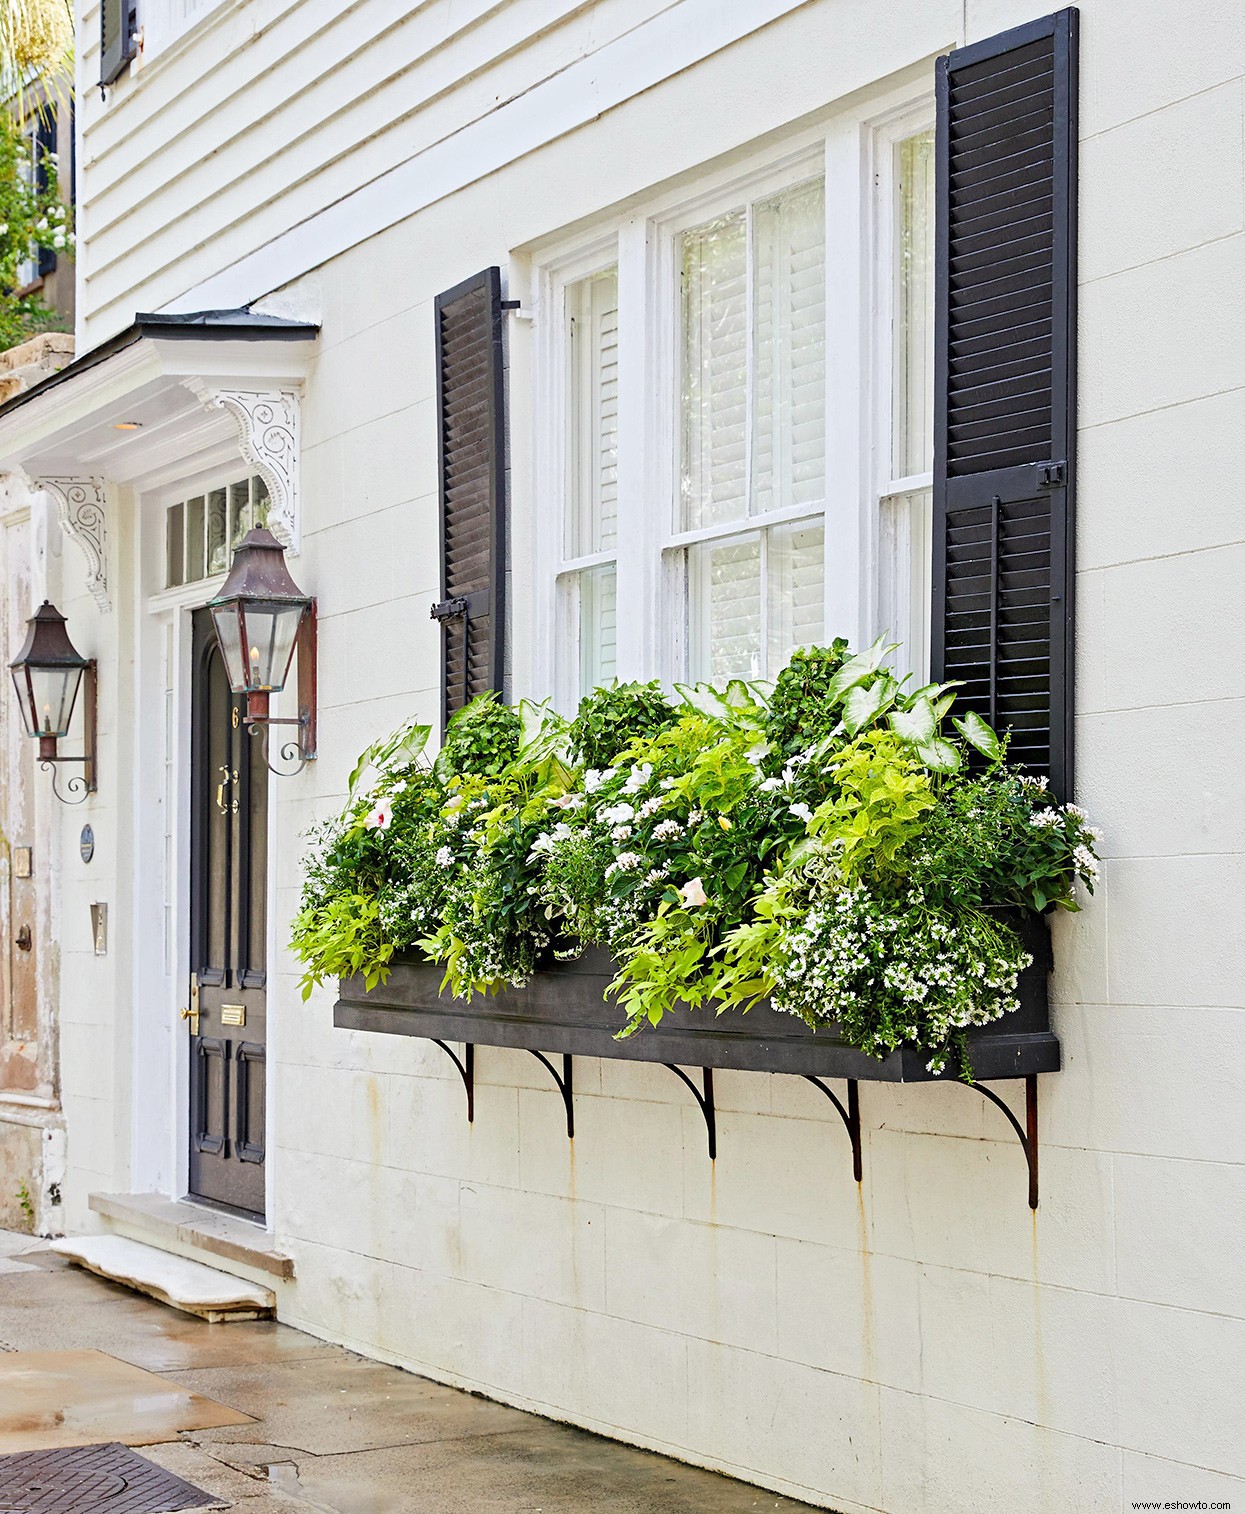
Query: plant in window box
x=823, y=845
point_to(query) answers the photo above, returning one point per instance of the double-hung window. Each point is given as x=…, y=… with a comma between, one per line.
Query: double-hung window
x=736, y=404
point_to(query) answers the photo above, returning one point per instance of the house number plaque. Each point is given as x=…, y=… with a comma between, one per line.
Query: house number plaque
x=86, y=843
x=22, y=867
x=233, y=1014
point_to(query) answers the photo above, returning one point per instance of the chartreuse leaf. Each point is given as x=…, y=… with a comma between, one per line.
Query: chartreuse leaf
x=978, y=734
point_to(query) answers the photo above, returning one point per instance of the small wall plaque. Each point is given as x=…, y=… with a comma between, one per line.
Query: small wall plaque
x=22, y=863
x=233, y=1014
x=86, y=843
x=99, y=929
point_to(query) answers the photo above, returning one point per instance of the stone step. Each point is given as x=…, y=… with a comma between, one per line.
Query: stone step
x=213, y=1296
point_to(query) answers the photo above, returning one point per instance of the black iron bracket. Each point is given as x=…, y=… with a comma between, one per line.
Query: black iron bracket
x=705, y=1100
x=850, y=1117
x=565, y=1086
x=466, y=1071
x=1028, y=1137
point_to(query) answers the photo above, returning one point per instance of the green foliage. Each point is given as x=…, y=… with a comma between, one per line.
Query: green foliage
x=31, y=217
x=827, y=846
x=482, y=739
x=612, y=717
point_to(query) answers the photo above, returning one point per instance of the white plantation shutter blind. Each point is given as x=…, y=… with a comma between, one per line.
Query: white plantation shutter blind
x=725, y=592
x=598, y=626
x=594, y=318
x=796, y=589
x=715, y=372
x=789, y=343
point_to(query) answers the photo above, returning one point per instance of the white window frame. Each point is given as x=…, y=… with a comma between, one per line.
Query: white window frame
x=854, y=149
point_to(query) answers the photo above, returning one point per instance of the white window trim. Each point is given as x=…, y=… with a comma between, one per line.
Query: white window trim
x=653, y=629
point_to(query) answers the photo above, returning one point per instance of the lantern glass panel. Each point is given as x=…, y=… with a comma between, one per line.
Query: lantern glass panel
x=271, y=630
x=51, y=692
x=230, y=633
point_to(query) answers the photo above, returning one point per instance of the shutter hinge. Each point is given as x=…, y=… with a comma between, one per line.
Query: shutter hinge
x=449, y=609
x=1051, y=475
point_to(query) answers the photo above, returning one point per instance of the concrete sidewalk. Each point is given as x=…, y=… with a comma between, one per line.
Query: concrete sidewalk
x=333, y=1431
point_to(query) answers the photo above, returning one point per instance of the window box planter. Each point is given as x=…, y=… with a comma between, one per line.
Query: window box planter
x=564, y=1010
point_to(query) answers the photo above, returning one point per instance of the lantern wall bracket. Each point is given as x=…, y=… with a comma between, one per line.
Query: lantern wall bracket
x=850, y=1117
x=82, y=785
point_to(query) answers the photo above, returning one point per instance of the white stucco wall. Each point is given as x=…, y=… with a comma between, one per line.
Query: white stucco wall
x=923, y=1344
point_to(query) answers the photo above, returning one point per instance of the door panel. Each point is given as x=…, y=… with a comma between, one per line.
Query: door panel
x=228, y=931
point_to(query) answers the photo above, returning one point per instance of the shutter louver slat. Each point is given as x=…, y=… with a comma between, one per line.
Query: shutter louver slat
x=1005, y=385
x=472, y=470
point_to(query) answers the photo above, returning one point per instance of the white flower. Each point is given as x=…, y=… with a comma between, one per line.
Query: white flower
x=626, y=862
x=1033, y=781
x=380, y=819
x=445, y=857
x=618, y=814
x=454, y=802
x=546, y=842
x=693, y=893
x=1075, y=809
x=568, y=802
x=667, y=830
x=1046, y=819
x=1086, y=862
x=620, y=833
x=801, y=812
x=593, y=779
x=650, y=807
x=769, y=785
x=638, y=778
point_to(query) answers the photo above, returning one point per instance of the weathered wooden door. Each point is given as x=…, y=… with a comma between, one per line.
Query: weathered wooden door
x=228, y=935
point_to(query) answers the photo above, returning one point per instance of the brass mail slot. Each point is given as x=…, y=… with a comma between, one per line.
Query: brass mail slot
x=233, y=1014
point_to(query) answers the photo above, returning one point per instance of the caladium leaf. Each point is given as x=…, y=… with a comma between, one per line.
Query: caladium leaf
x=866, y=702
x=939, y=755
x=856, y=669
x=917, y=724
x=978, y=734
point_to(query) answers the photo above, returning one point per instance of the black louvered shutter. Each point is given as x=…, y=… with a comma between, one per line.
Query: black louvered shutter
x=471, y=428
x=1005, y=391
x=118, y=37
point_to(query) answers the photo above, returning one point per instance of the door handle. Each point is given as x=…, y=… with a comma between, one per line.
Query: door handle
x=228, y=779
x=193, y=1016
x=23, y=939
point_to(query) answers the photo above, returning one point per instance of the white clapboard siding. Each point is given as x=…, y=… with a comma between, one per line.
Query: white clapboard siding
x=268, y=111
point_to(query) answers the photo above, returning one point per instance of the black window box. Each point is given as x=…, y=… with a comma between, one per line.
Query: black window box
x=564, y=1009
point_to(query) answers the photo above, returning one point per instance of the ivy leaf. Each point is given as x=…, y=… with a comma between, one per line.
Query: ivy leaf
x=978, y=734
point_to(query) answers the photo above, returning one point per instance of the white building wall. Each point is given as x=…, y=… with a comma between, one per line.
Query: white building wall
x=923, y=1344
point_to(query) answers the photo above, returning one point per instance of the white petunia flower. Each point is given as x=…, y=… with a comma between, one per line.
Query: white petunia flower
x=801, y=812
x=693, y=893
x=770, y=785
x=638, y=777
x=593, y=779
x=618, y=814
x=380, y=819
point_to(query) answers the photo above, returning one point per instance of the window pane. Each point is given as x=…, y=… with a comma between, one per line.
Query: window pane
x=239, y=513
x=797, y=590
x=598, y=626
x=913, y=443
x=789, y=345
x=195, y=560
x=593, y=309
x=714, y=261
x=905, y=573
x=724, y=607
x=174, y=546
x=217, y=534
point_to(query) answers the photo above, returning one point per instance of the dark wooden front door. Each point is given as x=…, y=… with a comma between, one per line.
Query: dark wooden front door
x=228, y=935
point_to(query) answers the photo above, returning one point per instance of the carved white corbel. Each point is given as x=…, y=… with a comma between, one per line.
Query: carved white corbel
x=83, y=513
x=268, y=438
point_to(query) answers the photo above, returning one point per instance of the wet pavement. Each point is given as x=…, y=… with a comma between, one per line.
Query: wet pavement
x=326, y=1429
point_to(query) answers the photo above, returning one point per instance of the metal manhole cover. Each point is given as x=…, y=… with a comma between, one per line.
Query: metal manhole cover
x=92, y=1480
